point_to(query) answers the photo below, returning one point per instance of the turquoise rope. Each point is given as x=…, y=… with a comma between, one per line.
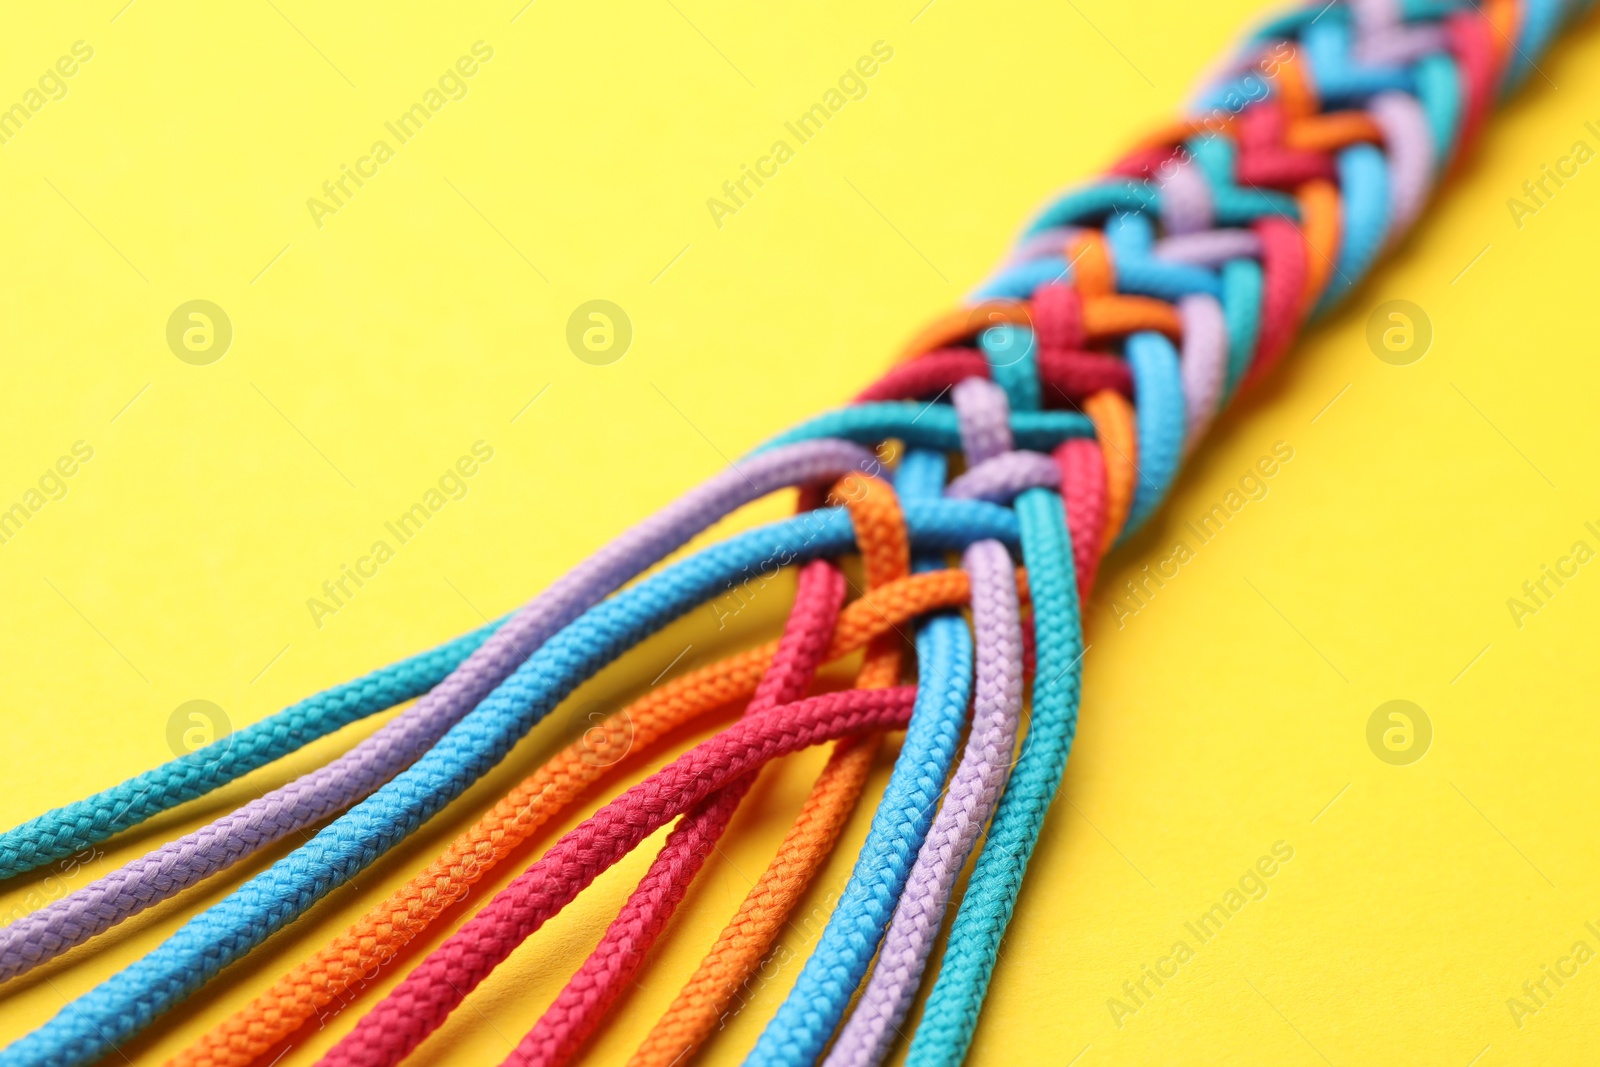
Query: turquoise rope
x=1012, y=355
x=1439, y=91
x=1241, y=311
x=1236, y=205
x=930, y=426
x=1157, y=382
x=1364, y=219
x=123, y=1005
x=951, y=1013
x=73, y=827
x=808, y=1016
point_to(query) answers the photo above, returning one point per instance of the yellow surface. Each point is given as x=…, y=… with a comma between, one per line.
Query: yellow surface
x=427, y=312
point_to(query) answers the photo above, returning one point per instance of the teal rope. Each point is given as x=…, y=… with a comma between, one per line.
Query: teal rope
x=930, y=426
x=124, y=1004
x=951, y=1013
x=809, y=1014
x=806, y=1019
x=73, y=827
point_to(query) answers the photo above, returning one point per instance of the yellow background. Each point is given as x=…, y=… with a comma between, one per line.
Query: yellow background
x=1228, y=714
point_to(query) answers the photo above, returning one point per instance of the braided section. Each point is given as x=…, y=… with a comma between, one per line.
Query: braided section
x=1223, y=234
x=880, y=530
x=984, y=418
x=886, y=553
x=1085, y=493
x=1113, y=424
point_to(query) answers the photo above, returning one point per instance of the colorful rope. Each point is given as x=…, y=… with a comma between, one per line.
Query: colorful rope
x=762, y=915
x=1143, y=301
x=349, y=961
x=311, y=798
x=427, y=995
x=885, y=552
x=126, y=1003
x=975, y=786
x=577, y=1010
x=69, y=829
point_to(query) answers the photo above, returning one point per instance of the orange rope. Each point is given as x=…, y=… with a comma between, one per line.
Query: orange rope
x=1091, y=266
x=1506, y=18
x=700, y=1005
x=1104, y=317
x=1115, y=315
x=1319, y=225
x=1333, y=130
x=1295, y=88
x=1112, y=416
x=349, y=961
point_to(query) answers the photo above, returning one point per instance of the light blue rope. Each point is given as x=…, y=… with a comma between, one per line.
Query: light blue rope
x=930, y=426
x=1364, y=218
x=1158, y=384
x=123, y=1005
x=951, y=1014
x=809, y=1015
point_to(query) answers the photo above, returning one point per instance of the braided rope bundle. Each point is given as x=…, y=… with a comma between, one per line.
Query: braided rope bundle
x=1079, y=376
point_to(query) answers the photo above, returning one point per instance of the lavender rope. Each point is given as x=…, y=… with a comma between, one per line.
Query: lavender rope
x=154, y=877
x=1211, y=248
x=974, y=790
x=975, y=787
x=1000, y=478
x=1411, y=154
x=1204, y=365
